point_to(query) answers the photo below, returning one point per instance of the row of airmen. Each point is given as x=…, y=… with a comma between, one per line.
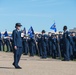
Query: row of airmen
x=51, y=45
x=5, y=42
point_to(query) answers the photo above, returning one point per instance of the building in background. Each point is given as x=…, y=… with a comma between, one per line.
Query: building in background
x=72, y=30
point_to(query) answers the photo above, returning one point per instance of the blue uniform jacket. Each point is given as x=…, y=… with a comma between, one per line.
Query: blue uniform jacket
x=17, y=40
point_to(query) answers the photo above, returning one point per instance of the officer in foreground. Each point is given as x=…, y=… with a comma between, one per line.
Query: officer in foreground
x=17, y=44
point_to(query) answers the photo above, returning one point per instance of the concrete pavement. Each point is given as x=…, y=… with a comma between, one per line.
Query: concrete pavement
x=35, y=66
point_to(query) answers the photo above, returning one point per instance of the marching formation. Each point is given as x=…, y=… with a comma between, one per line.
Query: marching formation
x=44, y=45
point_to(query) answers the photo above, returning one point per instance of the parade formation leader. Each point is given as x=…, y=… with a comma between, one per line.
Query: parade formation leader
x=17, y=45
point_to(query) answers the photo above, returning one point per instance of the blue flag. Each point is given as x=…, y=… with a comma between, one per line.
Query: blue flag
x=31, y=31
x=5, y=34
x=53, y=27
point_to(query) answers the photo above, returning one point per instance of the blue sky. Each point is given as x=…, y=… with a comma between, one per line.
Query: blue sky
x=40, y=14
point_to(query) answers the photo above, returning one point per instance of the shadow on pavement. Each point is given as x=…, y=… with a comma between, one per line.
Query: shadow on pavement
x=7, y=68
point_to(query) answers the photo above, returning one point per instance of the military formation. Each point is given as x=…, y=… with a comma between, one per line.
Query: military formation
x=62, y=45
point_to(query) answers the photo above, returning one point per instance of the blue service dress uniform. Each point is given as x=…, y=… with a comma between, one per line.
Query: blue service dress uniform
x=50, y=45
x=54, y=47
x=0, y=41
x=66, y=46
x=8, y=45
x=43, y=46
x=25, y=46
x=17, y=41
x=47, y=45
x=58, y=47
x=39, y=46
x=71, y=47
x=61, y=45
x=32, y=47
x=74, y=48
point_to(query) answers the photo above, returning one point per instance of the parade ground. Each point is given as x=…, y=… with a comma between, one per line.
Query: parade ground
x=36, y=66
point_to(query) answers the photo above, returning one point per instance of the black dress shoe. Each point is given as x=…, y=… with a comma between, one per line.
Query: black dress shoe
x=65, y=60
x=18, y=67
x=13, y=64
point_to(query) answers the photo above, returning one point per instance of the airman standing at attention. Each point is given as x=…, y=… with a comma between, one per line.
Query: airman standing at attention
x=17, y=43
